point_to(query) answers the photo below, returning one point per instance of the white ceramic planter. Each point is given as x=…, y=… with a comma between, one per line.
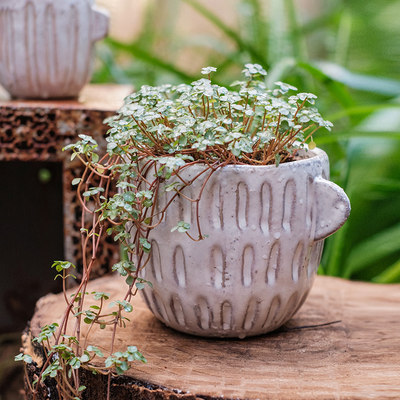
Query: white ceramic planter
x=266, y=227
x=46, y=46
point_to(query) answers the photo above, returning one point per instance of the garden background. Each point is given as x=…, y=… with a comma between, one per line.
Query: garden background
x=346, y=51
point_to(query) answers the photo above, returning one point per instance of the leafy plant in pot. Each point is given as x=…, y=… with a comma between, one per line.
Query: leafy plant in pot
x=222, y=208
x=211, y=172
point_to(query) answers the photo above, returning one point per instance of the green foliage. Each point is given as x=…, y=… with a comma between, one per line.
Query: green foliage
x=86, y=146
x=52, y=370
x=23, y=357
x=141, y=283
x=46, y=333
x=182, y=227
x=368, y=246
x=123, y=304
x=208, y=122
x=93, y=191
x=328, y=49
x=120, y=360
x=62, y=265
x=101, y=295
x=65, y=354
x=124, y=267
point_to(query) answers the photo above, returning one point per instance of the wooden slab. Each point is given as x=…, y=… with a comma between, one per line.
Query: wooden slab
x=357, y=358
x=103, y=97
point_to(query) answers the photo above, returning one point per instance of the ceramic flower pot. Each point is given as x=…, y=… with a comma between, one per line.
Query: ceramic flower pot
x=46, y=46
x=265, y=228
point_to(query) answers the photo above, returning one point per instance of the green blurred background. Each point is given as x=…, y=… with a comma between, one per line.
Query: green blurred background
x=345, y=51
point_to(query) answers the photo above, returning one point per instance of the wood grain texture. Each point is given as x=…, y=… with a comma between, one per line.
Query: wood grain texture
x=357, y=358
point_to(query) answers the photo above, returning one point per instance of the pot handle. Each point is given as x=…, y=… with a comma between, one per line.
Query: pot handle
x=333, y=207
x=100, y=24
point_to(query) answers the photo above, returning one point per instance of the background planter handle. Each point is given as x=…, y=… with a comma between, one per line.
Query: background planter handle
x=333, y=207
x=100, y=24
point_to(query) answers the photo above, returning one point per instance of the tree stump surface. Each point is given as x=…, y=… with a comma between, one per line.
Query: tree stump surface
x=357, y=357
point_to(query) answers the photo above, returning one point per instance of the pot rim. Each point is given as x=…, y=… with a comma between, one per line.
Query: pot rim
x=312, y=156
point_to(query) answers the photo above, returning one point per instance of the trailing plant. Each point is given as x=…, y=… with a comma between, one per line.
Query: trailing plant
x=157, y=134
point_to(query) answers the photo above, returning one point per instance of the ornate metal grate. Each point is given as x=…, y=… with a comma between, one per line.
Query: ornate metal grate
x=38, y=130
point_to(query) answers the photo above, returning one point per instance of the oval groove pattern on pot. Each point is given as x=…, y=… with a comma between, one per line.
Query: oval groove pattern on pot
x=226, y=315
x=273, y=263
x=51, y=49
x=177, y=310
x=73, y=35
x=29, y=36
x=252, y=313
x=272, y=311
x=83, y=63
x=316, y=251
x=309, y=201
x=179, y=267
x=298, y=261
x=159, y=307
x=301, y=302
x=11, y=59
x=242, y=205
x=180, y=203
x=185, y=206
x=4, y=41
x=218, y=267
x=266, y=207
x=146, y=299
x=286, y=312
x=216, y=206
x=289, y=205
x=155, y=259
x=161, y=200
x=247, y=265
x=203, y=313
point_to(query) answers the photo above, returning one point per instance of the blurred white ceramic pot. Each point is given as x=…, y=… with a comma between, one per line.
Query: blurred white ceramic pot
x=46, y=46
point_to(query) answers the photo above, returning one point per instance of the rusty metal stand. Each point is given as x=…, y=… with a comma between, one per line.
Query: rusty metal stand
x=38, y=131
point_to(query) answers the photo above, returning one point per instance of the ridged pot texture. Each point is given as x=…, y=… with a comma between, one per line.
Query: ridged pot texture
x=46, y=46
x=265, y=228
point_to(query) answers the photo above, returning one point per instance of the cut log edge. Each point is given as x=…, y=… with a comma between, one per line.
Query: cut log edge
x=121, y=385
